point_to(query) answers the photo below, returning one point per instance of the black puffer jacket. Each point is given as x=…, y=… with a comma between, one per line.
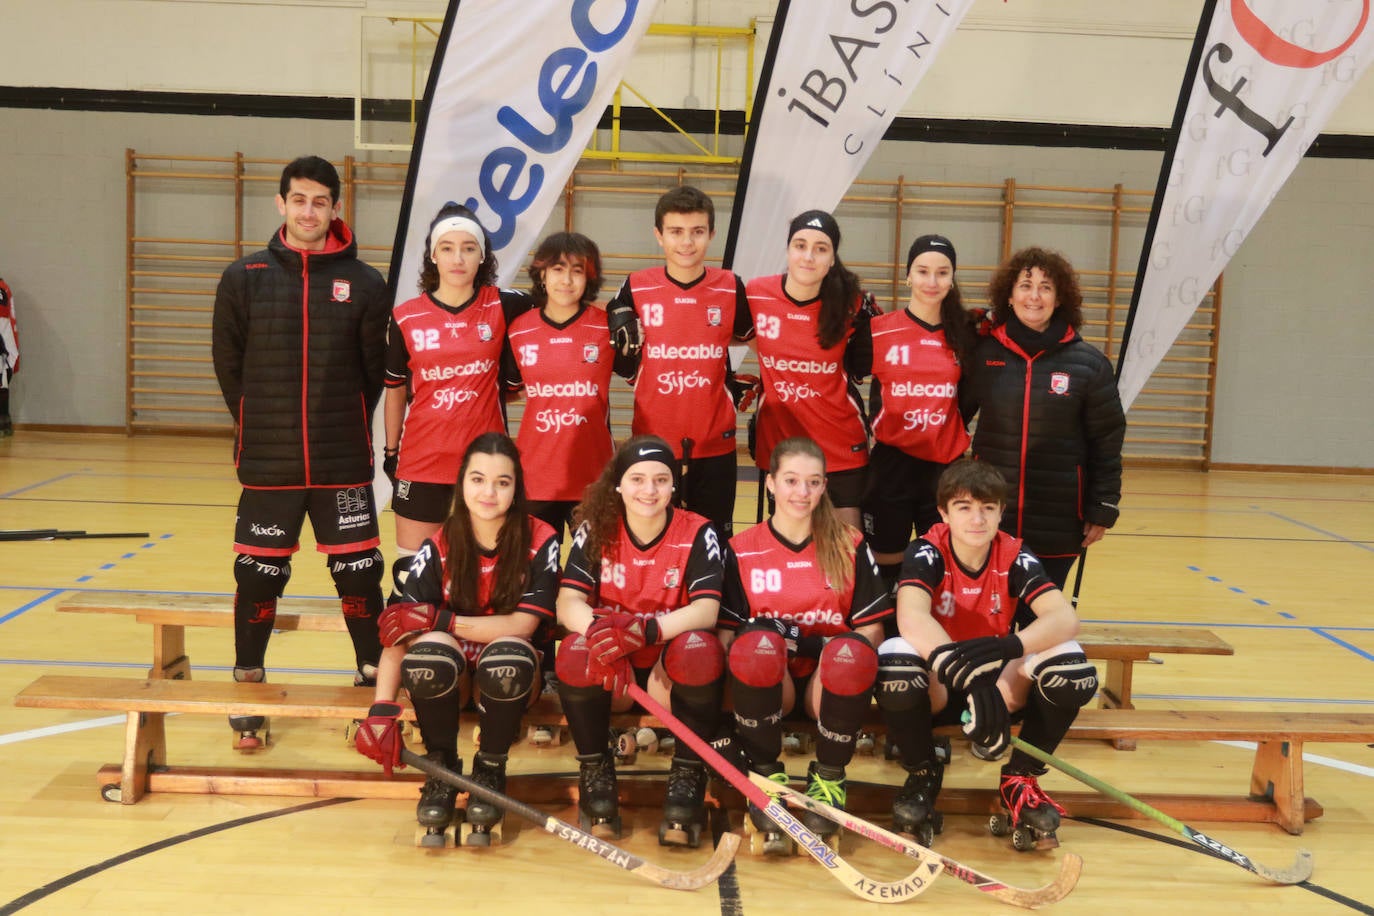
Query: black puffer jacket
x=299, y=345
x=1052, y=423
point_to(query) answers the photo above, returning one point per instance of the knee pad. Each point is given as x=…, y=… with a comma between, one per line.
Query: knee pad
x=848, y=665
x=903, y=678
x=261, y=578
x=357, y=573
x=430, y=670
x=572, y=664
x=1067, y=681
x=758, y=657
x=506, y=669
x=694, y=659
x=400, y=570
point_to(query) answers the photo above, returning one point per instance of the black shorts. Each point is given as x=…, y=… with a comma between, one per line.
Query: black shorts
x=344, y=520
x=422, y=502
x=709, y=490
x=846, y=488
x=556, y=513
x=900, y=498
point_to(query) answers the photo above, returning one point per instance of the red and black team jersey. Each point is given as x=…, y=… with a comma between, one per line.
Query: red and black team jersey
x=454, y=361
x=680, y=388
x=428, y=579
x=684, y=563
x=772, y=577
x=916, y=383
x=806, y=390
x=565, y=432
x=968, y=603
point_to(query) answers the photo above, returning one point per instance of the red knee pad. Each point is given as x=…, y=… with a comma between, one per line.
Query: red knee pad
x=758, y=658
x=571, y=663
x=694, y=659
x=849, y=665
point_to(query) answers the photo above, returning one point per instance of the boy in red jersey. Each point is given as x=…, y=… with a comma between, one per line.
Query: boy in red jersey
x=678, y=320
x=956, y=600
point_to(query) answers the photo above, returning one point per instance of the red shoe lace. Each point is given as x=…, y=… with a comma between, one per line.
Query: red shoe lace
x=1029, y=793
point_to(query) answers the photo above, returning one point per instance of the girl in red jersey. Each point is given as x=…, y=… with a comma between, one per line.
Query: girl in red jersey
x=564, y=358
x=642, y=583
x=918, y=355
x=959, y=653
x=811, y=331
x=806, y=589
x=447, y=360
x=476, y=592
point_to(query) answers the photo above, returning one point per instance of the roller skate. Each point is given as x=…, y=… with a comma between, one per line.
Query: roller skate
x=765, y=837
x=913, y=807
x=825, y=784
x=598, y=799
x=866, y=744
x=624, y=746
x=435, y=811
x=684, y=808
x=794, y=744
x=482, y=823
x=1029, y=815
x=250, y=732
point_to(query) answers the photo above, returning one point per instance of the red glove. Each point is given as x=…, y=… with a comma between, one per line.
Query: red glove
x=379, y=736
x=744, y=390
x=615, y=636
x=616, y=677
x=409, y=618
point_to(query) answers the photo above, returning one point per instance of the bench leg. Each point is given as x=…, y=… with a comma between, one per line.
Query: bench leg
x=1277, y=776
x=1116, y=694
x=145, y=747
x=169, y=653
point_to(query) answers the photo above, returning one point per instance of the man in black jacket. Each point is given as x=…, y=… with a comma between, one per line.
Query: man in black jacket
x=299, y=344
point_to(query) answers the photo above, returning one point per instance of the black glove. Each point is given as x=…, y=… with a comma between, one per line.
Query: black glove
x=625, y=331
x=390, y=458
x=744, y=389
x=988, y=723
x=961, y=665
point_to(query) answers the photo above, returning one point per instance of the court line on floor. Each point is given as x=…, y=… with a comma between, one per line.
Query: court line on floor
x=1363, y=545
x=1317, y=889
x=67, y=881
x=41, y=483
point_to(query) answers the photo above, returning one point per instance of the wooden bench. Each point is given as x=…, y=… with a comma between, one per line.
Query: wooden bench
x=1120, y=646
x=1275, y=793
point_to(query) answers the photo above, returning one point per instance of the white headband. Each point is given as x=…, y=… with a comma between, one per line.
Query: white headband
x=457, y=224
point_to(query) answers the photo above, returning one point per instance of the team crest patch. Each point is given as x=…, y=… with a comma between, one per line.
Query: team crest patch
x=591, y=353
x=713, y=315
x=483, y=331
x=671, y=578
x=403, y=489
x=343, y=291
x=1059, y=382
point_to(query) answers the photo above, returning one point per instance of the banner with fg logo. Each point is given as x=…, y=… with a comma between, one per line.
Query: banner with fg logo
x=1263, y=79
x=834, y=77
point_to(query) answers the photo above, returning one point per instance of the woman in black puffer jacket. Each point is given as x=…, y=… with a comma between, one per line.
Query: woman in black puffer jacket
x=1049, y=416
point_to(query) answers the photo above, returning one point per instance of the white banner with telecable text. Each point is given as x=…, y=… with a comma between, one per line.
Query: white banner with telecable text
x=515, y=91
x=1268, y=75
x=835, y=76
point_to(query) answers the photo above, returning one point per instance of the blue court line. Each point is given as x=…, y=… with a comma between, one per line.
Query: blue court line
x=1292, y=521
x=41, y=483
x=1226, y=626
x=144, y=591
x=32, y=604
x=1321, y=631
x=143, y=666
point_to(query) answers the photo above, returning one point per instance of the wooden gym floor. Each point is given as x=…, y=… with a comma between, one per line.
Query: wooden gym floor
x=1278, y=565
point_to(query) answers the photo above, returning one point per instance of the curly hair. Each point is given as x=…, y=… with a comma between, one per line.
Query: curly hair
x=834, y=539
x=575, y=248
x=1068, y=298
x=601, y=507
x=429, y=271
x=512, y=543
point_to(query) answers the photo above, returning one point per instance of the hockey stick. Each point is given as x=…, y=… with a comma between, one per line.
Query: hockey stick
x=720, y=860
x=688, y=443
x=858, y=884
x=1078, y=577
x=1029, y=898
x=1299, y=871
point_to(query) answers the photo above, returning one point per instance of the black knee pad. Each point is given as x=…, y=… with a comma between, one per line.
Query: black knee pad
x=506, y=669
x=357, y=573
x=1067, y=681
x=430, y=670
x=400, y=570
x=903, y=679
x=261, y=578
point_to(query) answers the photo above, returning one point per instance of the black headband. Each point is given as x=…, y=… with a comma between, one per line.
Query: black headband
x=651, y=448
x=931, y=243
x=818, y=220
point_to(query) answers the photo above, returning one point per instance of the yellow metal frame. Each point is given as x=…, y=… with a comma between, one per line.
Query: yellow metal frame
x=705, y=156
